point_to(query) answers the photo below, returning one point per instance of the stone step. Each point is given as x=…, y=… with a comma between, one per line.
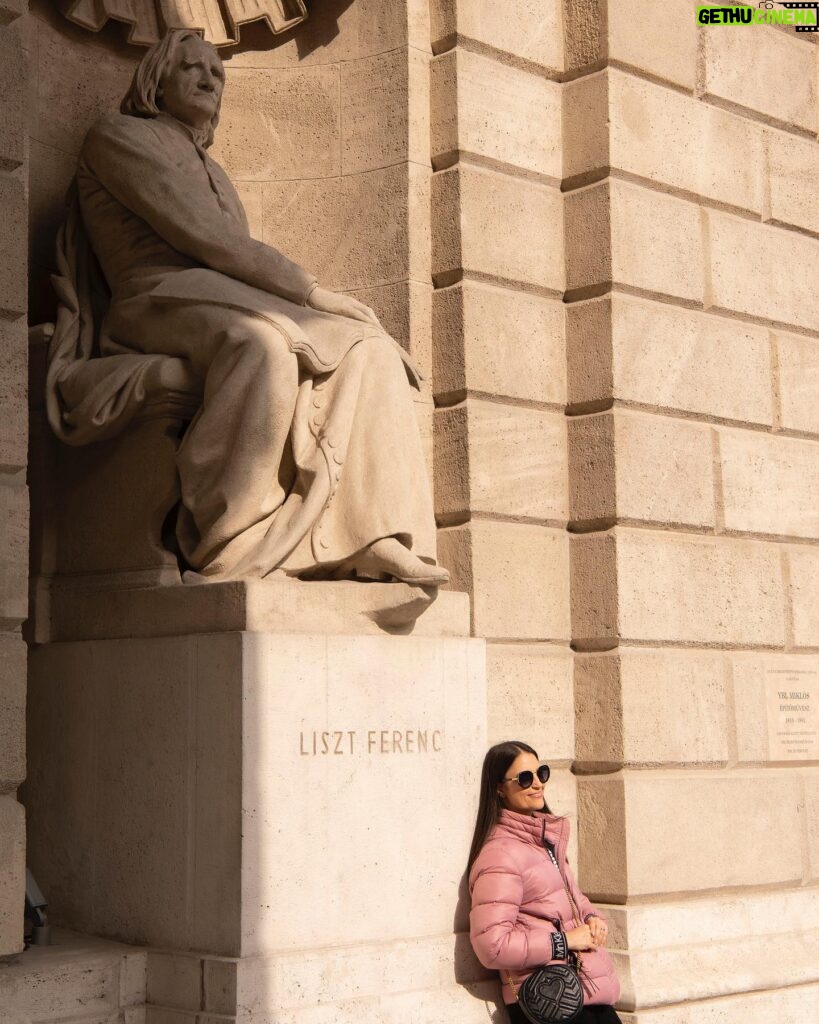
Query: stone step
x=78, y=979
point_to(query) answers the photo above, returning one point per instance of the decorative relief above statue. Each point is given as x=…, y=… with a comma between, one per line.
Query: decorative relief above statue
x=218, y=21
x=304, y=455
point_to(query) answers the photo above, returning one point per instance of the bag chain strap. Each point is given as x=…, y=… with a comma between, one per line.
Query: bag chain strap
x=572, y=954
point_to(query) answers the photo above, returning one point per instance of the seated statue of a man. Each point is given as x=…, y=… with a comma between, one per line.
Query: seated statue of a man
x=304, y=456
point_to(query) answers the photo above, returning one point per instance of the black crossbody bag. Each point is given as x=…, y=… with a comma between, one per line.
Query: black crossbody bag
x=553, y=994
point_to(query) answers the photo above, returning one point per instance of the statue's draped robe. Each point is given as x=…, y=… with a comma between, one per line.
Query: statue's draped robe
x=186, y=279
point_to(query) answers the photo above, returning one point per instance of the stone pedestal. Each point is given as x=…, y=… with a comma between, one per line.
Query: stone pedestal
x=283, y=816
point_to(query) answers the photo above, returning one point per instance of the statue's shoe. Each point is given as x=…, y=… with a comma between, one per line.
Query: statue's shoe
x=389, y=559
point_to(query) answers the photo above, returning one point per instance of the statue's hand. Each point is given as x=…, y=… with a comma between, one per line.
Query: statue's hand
x=326, y=301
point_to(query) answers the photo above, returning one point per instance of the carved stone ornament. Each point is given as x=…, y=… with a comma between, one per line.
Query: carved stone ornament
x=148, y=20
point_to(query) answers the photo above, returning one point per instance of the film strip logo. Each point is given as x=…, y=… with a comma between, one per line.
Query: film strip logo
x=802, y=7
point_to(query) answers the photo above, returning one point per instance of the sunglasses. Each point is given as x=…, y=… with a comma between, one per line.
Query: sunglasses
x=525, y=779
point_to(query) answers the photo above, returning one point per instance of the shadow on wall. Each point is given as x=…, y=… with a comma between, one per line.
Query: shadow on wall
x=469, y=972
x=319, y=31
x=77, y=76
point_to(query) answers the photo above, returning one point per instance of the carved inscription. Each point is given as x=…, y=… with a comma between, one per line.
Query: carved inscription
x=793, y=714
x=370, y=741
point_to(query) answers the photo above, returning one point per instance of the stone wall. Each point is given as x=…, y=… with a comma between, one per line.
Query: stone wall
x=501, y=452
x=14, y=67
x=626, y=349
x=693, y=342
x=598, y=233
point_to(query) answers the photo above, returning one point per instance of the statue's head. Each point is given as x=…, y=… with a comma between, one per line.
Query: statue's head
x=183, y=76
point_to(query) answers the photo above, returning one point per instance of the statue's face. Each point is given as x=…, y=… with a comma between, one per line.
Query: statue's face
x=191, y=87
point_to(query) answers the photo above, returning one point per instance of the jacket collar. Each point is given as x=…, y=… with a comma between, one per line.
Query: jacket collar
x=535, y=828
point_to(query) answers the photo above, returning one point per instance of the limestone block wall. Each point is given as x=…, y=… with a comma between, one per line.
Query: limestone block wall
x=499, y=358
x=14, y=70
x=693, y=366
x=326, y=138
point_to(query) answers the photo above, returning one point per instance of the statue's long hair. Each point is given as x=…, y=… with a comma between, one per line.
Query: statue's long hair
x=142, y=99
x=495, y=766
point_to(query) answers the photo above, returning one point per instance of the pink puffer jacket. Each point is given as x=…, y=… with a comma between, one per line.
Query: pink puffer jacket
x=517, y=894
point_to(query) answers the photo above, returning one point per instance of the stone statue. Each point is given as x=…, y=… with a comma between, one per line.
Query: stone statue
x=304, y=456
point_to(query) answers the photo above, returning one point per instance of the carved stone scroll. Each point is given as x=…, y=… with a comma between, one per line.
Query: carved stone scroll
x=149, y=19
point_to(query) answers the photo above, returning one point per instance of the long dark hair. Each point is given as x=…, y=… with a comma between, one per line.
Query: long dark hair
x=495, y=766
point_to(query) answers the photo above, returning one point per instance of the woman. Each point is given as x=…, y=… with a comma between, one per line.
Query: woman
x=527, y=910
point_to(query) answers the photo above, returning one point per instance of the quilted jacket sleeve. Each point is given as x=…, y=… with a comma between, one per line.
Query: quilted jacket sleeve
x=501, y=938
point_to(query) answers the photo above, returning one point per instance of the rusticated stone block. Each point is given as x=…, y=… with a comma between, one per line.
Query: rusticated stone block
x=763, y=271
x=657, y=586
x=769, y=484
x=676, y=140
x=763, y=69
x=798, y=360
x=648, y=353
x=732, y=816
x=501, y=459
x=792, y=167
x=785, y=1005
x=14, y=554
x=754, y=938
x=490, y=223
x=498, y=341
x=586, y=129
x=485, y=108
x=133, y=978
x=625, y=234
x=638, y=708
x=65, y=105
x=531, y=29
x=13, y=393
x=12, y=711
x=803, y=564
x=175, y=980
x=584, y=31
x=281, y=124
x=13, y=247
x=160, y=1015
x=636, y=467
x=755, y=677
x=12, y=874
x=385, y=110
x=530, y=695
x=13, y=88
x=810, y=784
x=616, y=120
x=353, y=232
x=517, y=574
x=637, y=36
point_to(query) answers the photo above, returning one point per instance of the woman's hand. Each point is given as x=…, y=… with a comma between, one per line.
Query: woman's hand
x=581, y=938
x=326, y=301
x=599, y=930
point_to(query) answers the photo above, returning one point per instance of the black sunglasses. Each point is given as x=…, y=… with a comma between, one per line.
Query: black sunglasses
x=525, y=779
